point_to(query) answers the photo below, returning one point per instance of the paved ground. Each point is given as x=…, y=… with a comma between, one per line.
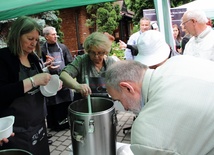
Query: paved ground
x=62, y=140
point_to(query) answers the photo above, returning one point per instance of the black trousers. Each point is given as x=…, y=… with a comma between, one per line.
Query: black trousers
x=57, y=116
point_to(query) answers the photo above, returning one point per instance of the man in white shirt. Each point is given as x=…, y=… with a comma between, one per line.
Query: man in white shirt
x=202, y=43
x=144, y=26
x=178, y=116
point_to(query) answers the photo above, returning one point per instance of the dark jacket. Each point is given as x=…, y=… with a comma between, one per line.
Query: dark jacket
x=10, y=86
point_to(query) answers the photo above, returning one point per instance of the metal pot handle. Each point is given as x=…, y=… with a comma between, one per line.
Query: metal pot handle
x=75, y=134
x=114, y=119
x=91, y=126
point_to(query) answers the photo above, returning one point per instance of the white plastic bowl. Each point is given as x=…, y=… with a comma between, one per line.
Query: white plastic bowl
x=6, y=126
x=46, y=94
x=124, y=150
x=52, y=87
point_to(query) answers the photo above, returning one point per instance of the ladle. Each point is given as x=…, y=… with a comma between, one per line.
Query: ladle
x=88, y=97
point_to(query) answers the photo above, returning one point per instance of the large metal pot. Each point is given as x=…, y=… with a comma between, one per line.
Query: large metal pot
x=14, y=152
x=93, y=133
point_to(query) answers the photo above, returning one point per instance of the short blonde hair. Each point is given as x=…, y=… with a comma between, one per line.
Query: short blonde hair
x=97, y=40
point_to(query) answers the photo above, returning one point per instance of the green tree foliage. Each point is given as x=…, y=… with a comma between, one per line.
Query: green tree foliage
x=137, y=6
x=116, y=51
x=104, y=17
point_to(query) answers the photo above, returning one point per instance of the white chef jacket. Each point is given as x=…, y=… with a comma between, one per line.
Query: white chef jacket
x=178, y=116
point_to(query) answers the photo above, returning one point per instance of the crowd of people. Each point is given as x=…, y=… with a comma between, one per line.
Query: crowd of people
x=26, y=66
x=173, y=92
x=167, y=92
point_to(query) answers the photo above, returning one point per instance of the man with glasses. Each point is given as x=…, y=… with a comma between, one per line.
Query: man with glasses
x=201, y=44
x=92, y=64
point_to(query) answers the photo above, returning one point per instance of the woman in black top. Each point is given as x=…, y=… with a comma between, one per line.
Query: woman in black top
x=20, y=78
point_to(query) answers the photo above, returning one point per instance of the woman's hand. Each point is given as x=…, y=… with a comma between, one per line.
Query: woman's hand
x=5, y=140
x=84, y=89
x=41, y=79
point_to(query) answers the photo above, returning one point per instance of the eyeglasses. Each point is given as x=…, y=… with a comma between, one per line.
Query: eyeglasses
x=96, y=54
x=183, y=23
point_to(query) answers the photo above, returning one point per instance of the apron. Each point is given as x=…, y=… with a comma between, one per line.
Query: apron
x=65, y=94
x=97, y=85
x=29, y=126
x=58, y=56
x=98, y=88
